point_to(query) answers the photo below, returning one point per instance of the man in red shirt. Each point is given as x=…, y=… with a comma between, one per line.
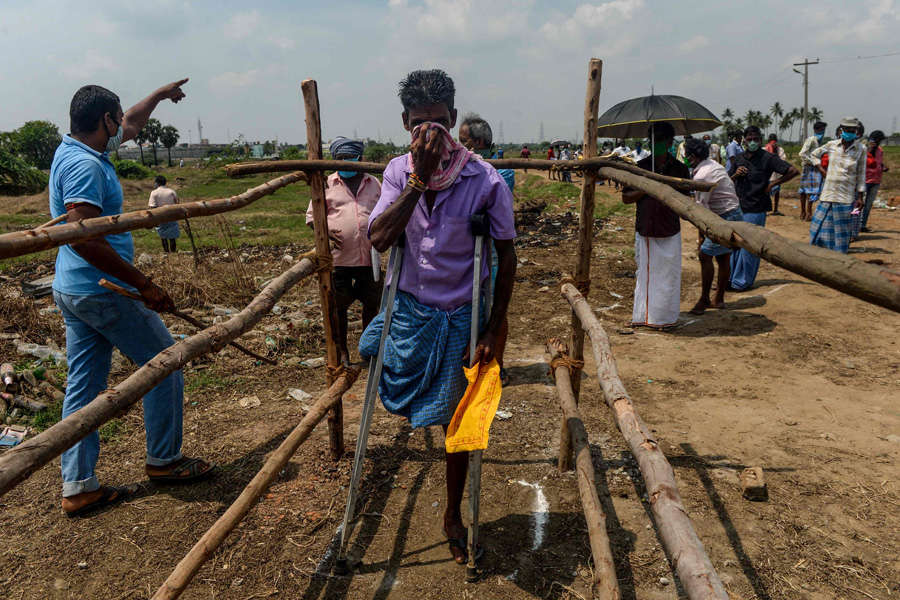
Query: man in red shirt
x=526, y=154
x=874, y=170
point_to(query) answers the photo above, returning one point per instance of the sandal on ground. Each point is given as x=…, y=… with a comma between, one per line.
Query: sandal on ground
x=185, y=470
x=463, y=544
x=110, y=495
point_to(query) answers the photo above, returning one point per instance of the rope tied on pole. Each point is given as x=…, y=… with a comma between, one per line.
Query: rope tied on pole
x=564, y=360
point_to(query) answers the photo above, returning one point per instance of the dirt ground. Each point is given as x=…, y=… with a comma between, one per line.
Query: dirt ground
x=793, y=377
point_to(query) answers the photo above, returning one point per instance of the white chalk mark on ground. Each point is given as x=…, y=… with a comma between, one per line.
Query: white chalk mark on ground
x=770, y=292
x=540, y=513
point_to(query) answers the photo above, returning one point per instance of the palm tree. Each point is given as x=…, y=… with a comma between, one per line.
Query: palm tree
x=728, y=119
x=140, y=139
x=797, y=113
x=787, y=121
x=152, y=129
x=816, y=114
x=777, y=112
x=168, y=135
x=765, y=121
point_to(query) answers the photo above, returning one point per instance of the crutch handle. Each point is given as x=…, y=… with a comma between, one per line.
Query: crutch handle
x=480, y=225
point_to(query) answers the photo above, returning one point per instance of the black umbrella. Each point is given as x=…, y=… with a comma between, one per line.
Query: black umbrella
x=632, y=118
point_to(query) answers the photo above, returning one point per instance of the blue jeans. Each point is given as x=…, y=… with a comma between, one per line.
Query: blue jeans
x=745, y=265
x=871, y=193
x=94, y=325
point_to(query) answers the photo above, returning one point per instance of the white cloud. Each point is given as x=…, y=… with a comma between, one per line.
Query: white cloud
x=438, y=21
x=589, y=18
x=93, y=63
x=281, y=41
x=242, y=25
x=234, y=79
x=695, y=43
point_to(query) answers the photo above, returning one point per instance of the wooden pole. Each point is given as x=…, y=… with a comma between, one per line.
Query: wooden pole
x=682, y=545
x=323, y=251
x=585, y=241
x=187, y=568
x=17, y=463
x=18, y=243
x=538, y=164
x=841, y=272
x=605, y=585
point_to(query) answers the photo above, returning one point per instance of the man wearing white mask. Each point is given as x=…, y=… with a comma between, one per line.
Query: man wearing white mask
x=83, y=185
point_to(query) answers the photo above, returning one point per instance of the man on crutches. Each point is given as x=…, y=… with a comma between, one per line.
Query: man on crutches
x=430, y=195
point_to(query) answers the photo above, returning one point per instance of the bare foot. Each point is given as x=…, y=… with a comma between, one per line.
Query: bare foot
x=700, y=307
x=718, y=304
x=457, y=537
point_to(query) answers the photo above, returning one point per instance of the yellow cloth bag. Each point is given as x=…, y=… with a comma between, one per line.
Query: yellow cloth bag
x=471, y=423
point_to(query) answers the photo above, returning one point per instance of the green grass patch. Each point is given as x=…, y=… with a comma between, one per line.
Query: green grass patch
x=206, y=380
x=47, y=417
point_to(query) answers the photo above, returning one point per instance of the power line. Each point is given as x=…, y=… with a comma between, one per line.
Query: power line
x=849, y=58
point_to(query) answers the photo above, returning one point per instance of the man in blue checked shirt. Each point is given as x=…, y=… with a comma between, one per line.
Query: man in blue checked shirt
x=84, y=185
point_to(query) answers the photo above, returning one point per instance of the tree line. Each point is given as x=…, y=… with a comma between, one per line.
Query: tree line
x=777, y=115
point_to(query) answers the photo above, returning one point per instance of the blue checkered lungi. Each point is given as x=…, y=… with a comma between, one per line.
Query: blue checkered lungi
x=811, y=183
x=168, y=231
x=423, y=377
x=832, y=226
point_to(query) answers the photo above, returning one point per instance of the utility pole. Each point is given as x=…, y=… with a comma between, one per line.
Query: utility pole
x=542, y=132
x=805, y=64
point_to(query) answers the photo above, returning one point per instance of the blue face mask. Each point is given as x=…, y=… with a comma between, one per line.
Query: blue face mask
x=349, y=174
x=819, y=136
x=848, y=136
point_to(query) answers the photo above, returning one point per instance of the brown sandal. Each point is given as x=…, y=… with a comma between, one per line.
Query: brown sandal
x=109, y=496
x=184, y=470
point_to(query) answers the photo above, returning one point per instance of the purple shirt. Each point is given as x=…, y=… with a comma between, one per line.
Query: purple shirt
x=440, y=248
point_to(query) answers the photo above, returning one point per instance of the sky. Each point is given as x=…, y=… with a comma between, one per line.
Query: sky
x=521, y=63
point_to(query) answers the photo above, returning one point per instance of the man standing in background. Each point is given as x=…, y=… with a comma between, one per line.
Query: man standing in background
x=733, y=149
x=163, y=195
x=752, y=174
x=350, y=197
x=715, y=152
x=875, y=169
x=773, y=147
x=844, y=188
x=811, y=178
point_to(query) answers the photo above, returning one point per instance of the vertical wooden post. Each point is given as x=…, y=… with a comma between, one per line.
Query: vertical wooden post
x=320, y=227
x=585, y=241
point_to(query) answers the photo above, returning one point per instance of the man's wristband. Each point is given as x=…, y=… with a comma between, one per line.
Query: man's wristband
x=416, y=183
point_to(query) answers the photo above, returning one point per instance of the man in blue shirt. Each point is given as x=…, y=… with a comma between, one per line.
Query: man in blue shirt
x=733, y=148
x=83, y=185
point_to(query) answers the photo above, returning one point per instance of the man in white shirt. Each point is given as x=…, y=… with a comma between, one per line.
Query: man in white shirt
x=164, y=196
x=844, y=188
x=810, y=179
x=723, y=201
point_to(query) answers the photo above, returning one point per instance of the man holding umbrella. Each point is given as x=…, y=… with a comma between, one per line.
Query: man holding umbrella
x=657, y=240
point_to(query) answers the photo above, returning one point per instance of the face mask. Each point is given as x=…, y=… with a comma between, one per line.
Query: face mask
x=848, y=136
x=659, y=148
x=115, y=141
x=819, y=136
x=752, y=146
x=349, y=174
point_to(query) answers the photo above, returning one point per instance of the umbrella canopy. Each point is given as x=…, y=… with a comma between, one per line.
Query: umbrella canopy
x=632, y=118
x=559, y=142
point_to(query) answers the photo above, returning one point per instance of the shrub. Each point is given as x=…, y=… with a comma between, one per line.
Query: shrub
x=130, y=169
x=17, y=177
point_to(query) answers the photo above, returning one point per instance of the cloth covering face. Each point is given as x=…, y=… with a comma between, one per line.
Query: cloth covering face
x=470, y=426
x=454, y=157
x=423, y=377
x=657, y=287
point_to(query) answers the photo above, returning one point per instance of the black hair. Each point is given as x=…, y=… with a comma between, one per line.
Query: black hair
x=877, y=136
x=88, y=106
x=696, y=148
x=160, y=180
x=661, y=130
x=772, y=136
x=820, y=126
x=752, y=129
x=426, y=87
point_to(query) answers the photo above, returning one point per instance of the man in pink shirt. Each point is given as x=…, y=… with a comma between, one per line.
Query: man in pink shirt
x=350, y=197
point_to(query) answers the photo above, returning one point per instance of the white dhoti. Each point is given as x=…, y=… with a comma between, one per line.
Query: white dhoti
x=657, y=287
